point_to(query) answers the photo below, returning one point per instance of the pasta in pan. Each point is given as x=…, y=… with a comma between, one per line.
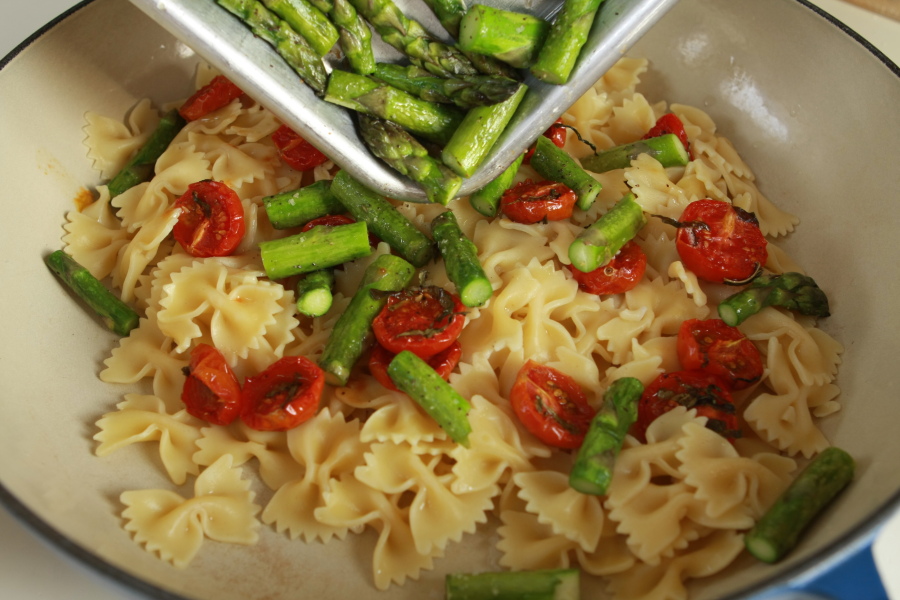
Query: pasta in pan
x=678, y=503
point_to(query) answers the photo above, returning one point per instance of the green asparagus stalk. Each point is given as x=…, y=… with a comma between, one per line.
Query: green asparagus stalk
x=411, y=38
x=488, y=65
x=513, y=37
x=465, y=92
x=461, y=260
x=314, y=296
x=300, y=206
x=487, y=199
x=383, y=219
x=593, y=468
x=478, y=132
x=140, y=167
x=449, y=13
x=445, y=405
x=555, y=164
x=320, y=247
x=292, y=46
x=395, y=146
x=564, y=42
x=793, y=291
x=546, y=584
x=324, y=5
x=118, y=316
x=435, y=122
x=352, y=332
x=667, y=149
x=599, y=243
x=778, y=531
x=355, y=37
x=308, y=21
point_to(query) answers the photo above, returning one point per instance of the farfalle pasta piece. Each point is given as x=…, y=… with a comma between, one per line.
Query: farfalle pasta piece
x=222, y=509
x=611, y=556
x=236, y=166
x=94, y=237
x=141, y=418
x=141, y=250
x=525, y=543
x=652, y=188
x=111, y=143
x=399, y=421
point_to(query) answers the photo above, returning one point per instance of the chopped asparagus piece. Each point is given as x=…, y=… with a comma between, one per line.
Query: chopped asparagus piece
x=793, y=291
x=778, y=531
x=476, y=135
x=140, y=167
x=308, y=21
x=352, y=332
x=321, y=247
x=300, y=206
x=593, y=468
x=314, y=295
x=383, y=219
x=513, y=37
x=465, y=92
x=488, y=65
x=600, y=242
x=414, y=376
x=355, y=37
x=555, y=164
x=461, y=260
x=118, y=316
x=449, y=13
x=487, y=199
x=567, y=36
x=667, y=149
x=547, y=584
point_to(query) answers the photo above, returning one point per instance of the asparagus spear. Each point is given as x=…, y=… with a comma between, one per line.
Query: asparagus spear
x=355, y=37
x=324, y=5
x=546, y=584
x=118, y=316
x=414, y=376
x=449, y=13
x=513, y=37
x=314, y=295
x=555, y=164
x=140, y=167
x=383, y=219
x=465, y=92
x=600, y=242
x=478, y=132
x=593, y=468
x=461, y=260
x=487, y=199
x=352, y=332
x=667, y=149
x=308, y=21
x=780, y=528
x=320, y=247
x=792, y=291
x=488, y=65
x=435, y=122
x=300, y=206
x=408, y=36
x=292, y=46
x=568, y=34
x=395, y=146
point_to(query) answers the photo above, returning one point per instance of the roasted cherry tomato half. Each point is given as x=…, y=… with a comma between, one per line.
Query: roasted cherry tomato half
x=296, y=151
x=619, y=275
x=720, y=243
x=283, y=396
x=529, y=202
x=719, y=349
x=211, y=222
x=211, y=391
x=443, y=363
x=670, y=123
x=551, y=405
x=216, y=94
x=556, y=133
x=691, y=389
x=424, y=320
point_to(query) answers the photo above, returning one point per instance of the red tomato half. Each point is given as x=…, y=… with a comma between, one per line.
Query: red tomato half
x=423, y=320
x=443, y=363
x=528, y=202
x=216, y=94
x=670, y=123
x=211, y=222
x=551, y=405
x=283, y=396
x=720, y=243
x=719, y=349
x=556, y=133
x=619, y=275
x=296, y=151
x=211, y=391
x=691, y=389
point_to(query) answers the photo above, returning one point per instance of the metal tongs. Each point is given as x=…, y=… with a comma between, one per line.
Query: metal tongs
x=222, y=40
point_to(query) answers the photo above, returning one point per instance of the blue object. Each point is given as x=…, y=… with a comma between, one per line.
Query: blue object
x=855, y=578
